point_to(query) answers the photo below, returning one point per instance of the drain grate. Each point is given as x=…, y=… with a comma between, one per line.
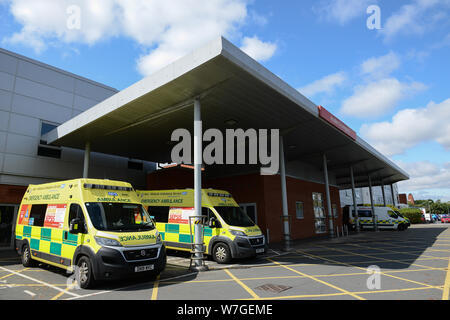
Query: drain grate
x=275, y=288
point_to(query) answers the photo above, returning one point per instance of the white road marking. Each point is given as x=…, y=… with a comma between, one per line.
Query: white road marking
x=133, y=285
x=39, y=281
x=29, y=292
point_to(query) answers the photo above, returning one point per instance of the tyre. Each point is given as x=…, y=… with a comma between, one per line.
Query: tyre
x=84, y=273
x=221, y=253
x=27, y=260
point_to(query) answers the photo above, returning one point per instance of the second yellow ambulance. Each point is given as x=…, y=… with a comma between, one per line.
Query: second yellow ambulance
x=229, y=233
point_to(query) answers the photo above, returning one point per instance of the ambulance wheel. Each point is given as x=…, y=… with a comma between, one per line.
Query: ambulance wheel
x=27, y=261
x=84, y=273
x=221, y=253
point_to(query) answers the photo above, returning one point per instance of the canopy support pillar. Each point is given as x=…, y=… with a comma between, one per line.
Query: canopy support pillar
x=327, y=191
x=87, y=157
x=355, y=204
x=198, y=155
x=285, y=216
x=374, y=216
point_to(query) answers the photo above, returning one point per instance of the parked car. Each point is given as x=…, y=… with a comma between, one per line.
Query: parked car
x=445, y=218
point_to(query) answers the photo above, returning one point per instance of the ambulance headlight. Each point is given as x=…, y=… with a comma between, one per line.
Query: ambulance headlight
x=237, y=233
x=106, y=242
x=158, y=238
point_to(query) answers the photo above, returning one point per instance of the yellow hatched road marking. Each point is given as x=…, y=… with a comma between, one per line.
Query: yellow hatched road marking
x=393, y=251
x=12, y=274
x=250, y=291
x=321, y=281
x=388, y=275
x=297, y=277
x=387, y=260
x=343, y=294
x=155, y=288
x=38, y=281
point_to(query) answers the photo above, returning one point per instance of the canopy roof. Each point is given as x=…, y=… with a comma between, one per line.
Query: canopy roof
x=138, y=121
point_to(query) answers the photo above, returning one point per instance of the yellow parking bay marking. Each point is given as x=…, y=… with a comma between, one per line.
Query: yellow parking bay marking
x=65, y=291
x=386, y=274
x=321, y=281
x=155, y=288
x=38, y=281
x=250, y=291
x=446, y=293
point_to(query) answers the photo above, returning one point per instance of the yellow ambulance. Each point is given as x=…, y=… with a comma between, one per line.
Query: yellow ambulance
x=95, y=228
x=228, y=233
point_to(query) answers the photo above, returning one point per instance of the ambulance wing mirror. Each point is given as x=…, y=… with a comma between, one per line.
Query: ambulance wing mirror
x=75, y=226
x=212, y=223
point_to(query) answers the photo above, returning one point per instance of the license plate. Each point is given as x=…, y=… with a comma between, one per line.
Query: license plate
x=144, y=268
x=260, y=250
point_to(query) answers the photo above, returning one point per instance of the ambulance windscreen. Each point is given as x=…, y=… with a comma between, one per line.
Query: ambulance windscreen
x=120, y=217
x=234, y=216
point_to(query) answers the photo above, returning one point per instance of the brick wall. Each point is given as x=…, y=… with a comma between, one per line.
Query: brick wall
x=11, y=194
x=265, y=191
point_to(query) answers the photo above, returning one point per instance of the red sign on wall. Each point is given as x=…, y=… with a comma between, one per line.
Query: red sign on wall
x=335, y=122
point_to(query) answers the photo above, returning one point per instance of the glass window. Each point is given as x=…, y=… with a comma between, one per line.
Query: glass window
x=75, y=211
x=299, y=210
x=210, y=214
x=335, y=211
x=234, y=216
x=37, y=215
x=319, y=213
x=45, y=150
x=392, y=214
x=122, y=217
x=365, y=213
x=160, y=214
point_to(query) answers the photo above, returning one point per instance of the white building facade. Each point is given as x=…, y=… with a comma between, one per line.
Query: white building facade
x=34, y=99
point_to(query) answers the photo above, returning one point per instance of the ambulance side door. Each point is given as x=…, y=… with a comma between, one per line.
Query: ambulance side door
x=71, y=241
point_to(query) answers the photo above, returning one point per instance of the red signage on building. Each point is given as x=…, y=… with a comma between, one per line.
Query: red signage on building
x=335, y=122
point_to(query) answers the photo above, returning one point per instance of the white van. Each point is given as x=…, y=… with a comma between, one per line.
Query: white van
x=387, y=218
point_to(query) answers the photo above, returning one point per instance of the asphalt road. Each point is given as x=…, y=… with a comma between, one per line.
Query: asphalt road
x=384, y=265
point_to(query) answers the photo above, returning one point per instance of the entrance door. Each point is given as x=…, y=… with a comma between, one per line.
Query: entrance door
x=7, y=214
x=250, y=210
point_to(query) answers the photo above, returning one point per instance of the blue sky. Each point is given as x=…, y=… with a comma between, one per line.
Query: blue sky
x=390, y=85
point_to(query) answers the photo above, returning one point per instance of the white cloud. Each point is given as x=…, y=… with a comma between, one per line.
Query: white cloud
x=325, y=85
x=410, y=127
x=257, y=49
x=342, y=11
x=424, y=177
x=165, y=29
x=44, y=19
x=381, y=67
x=378, y=97
x=416, y=18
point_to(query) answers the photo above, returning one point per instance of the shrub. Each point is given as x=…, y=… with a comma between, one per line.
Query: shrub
x=414, y=215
